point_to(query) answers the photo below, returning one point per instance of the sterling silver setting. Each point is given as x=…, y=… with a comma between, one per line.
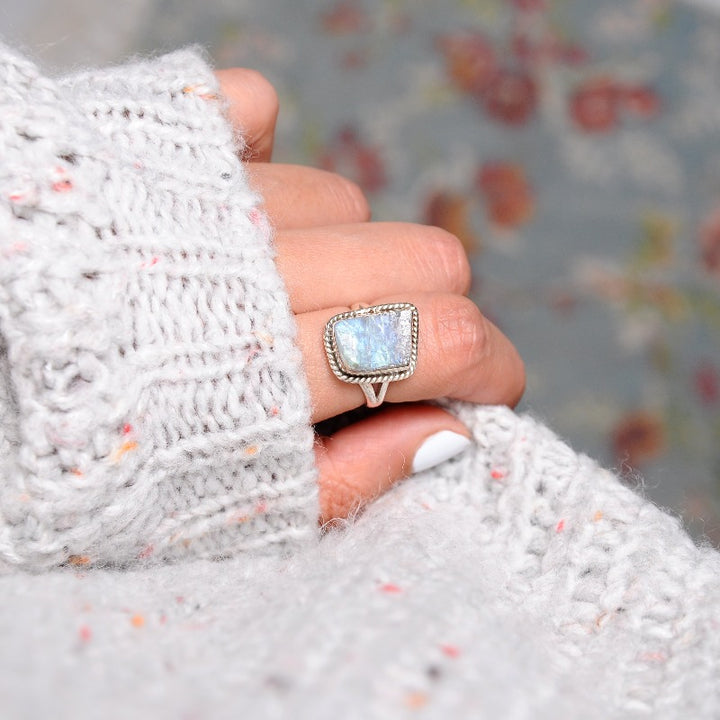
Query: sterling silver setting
x=373, y=346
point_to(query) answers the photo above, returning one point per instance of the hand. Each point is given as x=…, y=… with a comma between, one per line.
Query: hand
x=330, y=259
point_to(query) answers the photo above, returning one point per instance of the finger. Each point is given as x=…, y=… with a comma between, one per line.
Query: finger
x=252, y=109
x=356, y=263
x=360, y=462
x=301, y=197
x=461, y=355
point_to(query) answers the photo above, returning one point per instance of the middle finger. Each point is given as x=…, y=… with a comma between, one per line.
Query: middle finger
x=349, y=264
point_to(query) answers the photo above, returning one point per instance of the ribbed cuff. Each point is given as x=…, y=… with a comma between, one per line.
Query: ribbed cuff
x=180, y=419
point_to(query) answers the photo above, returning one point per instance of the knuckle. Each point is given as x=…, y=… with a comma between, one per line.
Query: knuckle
x=448, y=258
x=463, y=334
x=263, y=92
x=351, y=199
x=517, y=389
x=520, y=385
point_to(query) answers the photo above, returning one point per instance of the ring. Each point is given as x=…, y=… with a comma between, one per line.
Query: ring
x=373, y=346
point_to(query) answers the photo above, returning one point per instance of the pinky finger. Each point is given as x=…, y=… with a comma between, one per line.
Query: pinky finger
x=363, y=460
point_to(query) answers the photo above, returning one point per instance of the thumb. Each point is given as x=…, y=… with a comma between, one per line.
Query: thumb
x=363, y=460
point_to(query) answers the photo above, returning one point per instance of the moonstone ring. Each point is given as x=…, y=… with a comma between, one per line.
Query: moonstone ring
x=373, y=346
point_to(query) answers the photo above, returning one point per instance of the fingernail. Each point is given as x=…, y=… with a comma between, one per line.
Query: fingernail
x=437, y=448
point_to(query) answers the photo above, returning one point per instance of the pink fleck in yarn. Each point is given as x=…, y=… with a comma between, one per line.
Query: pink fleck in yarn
x=127, y=326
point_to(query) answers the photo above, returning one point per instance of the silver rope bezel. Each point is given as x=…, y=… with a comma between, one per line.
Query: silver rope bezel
x=393, y=374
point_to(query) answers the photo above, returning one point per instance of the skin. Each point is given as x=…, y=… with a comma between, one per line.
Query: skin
x=331, y=257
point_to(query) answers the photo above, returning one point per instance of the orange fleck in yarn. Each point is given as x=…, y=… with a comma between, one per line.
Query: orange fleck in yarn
x=78, y=560
x=126, y=447
x=416, y=700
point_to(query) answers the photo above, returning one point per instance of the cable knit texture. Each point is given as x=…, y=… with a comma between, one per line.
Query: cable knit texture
x=150, y=399
x=150, y=393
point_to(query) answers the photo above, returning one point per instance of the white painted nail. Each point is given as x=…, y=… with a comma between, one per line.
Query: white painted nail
x=437, y=448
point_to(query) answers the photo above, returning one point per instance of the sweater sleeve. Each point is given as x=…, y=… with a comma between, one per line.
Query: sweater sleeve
x=152, y=402
x=616, y=585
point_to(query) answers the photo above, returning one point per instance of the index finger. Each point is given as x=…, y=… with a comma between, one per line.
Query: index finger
x=252, y=110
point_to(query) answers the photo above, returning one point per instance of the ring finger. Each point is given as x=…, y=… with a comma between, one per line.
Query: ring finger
x=461, y=355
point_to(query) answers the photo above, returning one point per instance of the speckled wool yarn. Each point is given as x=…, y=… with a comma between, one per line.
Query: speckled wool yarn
x=152, y=406
x=151, y=399
x=518, y=581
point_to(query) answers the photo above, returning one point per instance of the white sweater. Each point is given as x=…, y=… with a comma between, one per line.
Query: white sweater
x=159, y=552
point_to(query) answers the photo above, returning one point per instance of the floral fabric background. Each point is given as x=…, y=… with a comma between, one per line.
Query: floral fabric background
x=573, y=146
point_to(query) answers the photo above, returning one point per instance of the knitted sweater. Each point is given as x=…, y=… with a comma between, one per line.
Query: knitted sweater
x=156, y=473
x=150, y=392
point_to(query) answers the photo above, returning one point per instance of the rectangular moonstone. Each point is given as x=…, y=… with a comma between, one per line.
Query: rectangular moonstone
x=374, y=342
